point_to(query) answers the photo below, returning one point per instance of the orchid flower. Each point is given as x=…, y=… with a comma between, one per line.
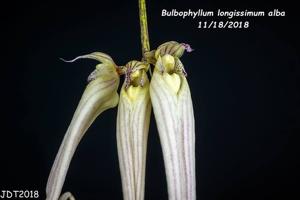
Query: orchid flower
x=167, y=92
x=99, y=95
x=173, y=110
x=132, y=129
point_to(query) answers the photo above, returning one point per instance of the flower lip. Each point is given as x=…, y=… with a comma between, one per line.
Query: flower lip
x=168, y=62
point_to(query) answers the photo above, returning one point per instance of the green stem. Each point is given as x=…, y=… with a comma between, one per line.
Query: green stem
x=144, y=27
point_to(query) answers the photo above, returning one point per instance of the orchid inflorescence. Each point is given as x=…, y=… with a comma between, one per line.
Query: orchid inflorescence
x=167, y=92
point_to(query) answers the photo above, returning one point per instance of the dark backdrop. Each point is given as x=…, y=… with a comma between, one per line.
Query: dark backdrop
x=243, y=84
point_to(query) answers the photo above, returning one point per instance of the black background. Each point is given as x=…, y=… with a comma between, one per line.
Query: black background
x=243, y=84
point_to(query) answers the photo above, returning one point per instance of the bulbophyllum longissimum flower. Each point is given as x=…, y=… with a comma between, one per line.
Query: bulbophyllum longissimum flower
x=132, y=129
x=173, y=110
x=168, y=93
x=99, y=95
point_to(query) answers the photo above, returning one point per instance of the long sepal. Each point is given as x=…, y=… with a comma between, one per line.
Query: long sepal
x=173, y=110
x=99, y=95
x=132, y=130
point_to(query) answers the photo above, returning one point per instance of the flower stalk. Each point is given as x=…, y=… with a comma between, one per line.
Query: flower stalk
x=144, y=27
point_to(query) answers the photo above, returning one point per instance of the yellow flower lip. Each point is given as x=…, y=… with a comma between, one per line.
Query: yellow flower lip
x=135, y=74
x=168, y=62
x=133, y=92
x=173, y=81
x=171, y=76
